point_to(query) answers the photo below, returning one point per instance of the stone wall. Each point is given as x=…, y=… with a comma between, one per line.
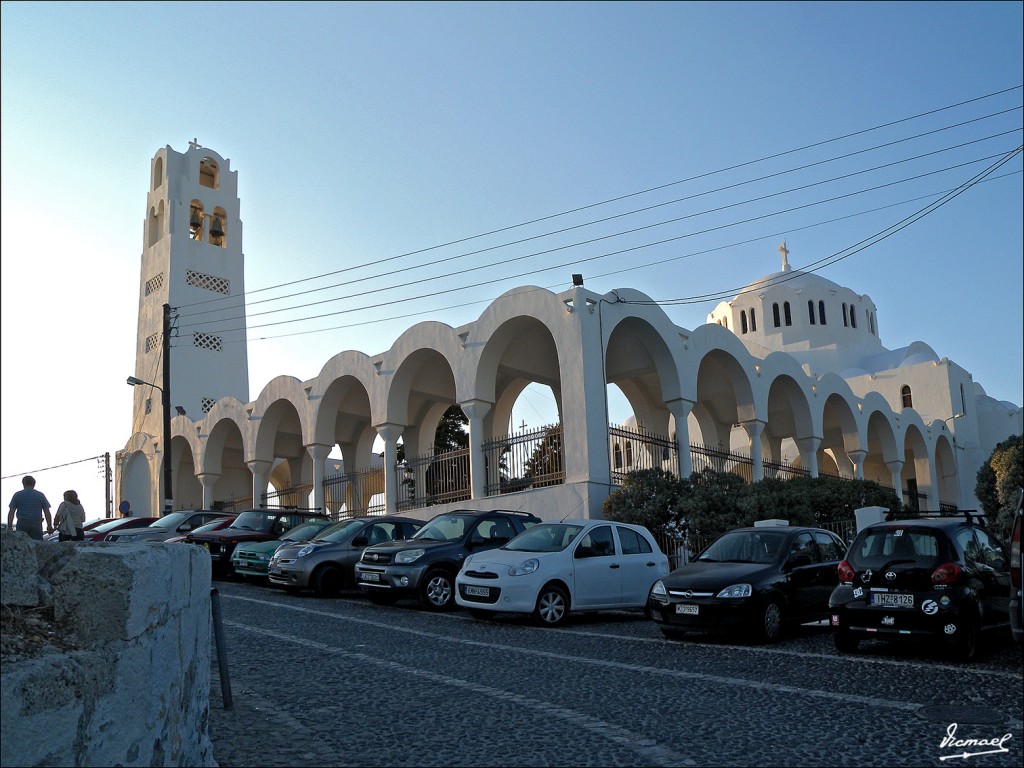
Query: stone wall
x=127, y=679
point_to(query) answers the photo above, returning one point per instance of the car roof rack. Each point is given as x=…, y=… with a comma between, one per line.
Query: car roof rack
x=972, y=516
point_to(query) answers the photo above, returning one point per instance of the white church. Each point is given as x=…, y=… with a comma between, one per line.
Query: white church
x=789, y=378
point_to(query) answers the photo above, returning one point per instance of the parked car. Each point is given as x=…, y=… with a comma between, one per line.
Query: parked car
x=99, y=533
x=425, y=565
x=219, y=524
x=326, y=564
x=250, y=559
x=552, y=569
x=1016, y=607
x=754, y=580
x=89, y=525
x=250, y=525
x=178, y=523
x=938, y=579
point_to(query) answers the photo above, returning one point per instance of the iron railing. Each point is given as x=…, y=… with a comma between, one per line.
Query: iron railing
x=525, y=460
x=634, y=448
x=434, y=479
x=353, y=492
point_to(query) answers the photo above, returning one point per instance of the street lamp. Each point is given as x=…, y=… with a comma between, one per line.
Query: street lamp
x=165, y=399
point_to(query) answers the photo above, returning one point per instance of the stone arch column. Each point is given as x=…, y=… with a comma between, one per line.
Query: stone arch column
x=857, y=458
x=208, y=480
x=318, y=453
x=809, y=453
x=680, y=410
x=475, y=411
x=390, y=433
x=896, y=468
x=260, y=469
x=754, y=428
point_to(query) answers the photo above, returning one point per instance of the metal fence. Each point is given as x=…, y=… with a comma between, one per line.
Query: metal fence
x=296, y=496
x=525, y=460
x=434, y=479
x=634, y=448
x=720, y=459
x=354, y=491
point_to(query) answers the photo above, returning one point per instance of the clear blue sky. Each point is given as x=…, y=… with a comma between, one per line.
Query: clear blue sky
x=361, y=132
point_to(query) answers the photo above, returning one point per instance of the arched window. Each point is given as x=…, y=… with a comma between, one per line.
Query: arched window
x=963, y=400
x=195, y=221
x=810, y=311
x=158, y=172
x=786, y=312
x=743, y=321
x=846, y=323
x=209, y=174
x=218, y=228
x=775, y=314
x=871, y=323
x=908, y=400
x=629, y=455
x=821, y=312
x=853, y=316
x=753, y=322
x=617, y=451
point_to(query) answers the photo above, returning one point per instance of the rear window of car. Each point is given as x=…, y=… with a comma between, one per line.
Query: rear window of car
x=881, y=547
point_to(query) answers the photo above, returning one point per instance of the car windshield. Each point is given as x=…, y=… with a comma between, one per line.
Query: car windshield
x=303, y=531
x=113, y=524
x=253, y=521
x=879, y=548
x=445, y=528
x=339, y=531
x=171, y=521
x=215, y=525
x=744, y=547
x=547, y=537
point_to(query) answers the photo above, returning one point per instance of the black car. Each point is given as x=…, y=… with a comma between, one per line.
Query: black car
x=425, y=566
x=1016, y=566
x=940, y=578
x=752, y=580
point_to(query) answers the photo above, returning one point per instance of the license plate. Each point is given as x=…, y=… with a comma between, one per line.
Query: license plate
x=274, y=570
x=890, y=600
x=690, y=610
x=478, y=591
x=369, y=576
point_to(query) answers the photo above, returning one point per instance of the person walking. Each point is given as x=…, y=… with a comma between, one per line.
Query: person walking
x=70, y=518
x=30, y=505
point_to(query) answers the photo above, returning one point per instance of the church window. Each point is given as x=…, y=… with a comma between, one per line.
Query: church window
x=743, y=321
x=908, y=400
x=209, y=173
x=786, y=312
x=753, y=322
x=963, y=400
x=853, y=317
x=846, y=323
x=158, y=173
x=629, y=454
x=617, y=450
x=195, y=220
x=218, y=222
x=821, y=312
x=871, y=323
x=207, y=341
x=810, y=311
x=775, y=314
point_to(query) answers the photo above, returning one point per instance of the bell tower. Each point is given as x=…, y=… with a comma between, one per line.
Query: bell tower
x=192, y=262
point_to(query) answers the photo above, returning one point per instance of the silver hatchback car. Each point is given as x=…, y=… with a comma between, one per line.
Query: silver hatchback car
x=326, y=564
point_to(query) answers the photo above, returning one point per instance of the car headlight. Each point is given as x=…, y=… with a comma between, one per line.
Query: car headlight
x=306, y=550
x=524, y=568
x=409, y=556
x=736, y=590
x=659, y=588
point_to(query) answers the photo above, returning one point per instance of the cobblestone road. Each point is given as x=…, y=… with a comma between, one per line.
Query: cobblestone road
x=346, y=683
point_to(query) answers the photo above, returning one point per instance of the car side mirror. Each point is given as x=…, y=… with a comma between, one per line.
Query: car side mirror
x=360, y=541
x=185, y=527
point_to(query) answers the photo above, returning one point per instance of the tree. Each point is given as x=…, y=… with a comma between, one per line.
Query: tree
x=999, y=483
x=648, y=497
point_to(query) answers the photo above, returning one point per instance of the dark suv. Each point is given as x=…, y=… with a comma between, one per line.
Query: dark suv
x=425, y=566
x=940, y=578
x=251, y=525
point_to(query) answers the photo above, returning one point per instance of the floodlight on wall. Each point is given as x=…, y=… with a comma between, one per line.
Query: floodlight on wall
x=180, y=410
x=577, y=280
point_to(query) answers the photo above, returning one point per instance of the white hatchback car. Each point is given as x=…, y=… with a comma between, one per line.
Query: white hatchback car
x=553, y=569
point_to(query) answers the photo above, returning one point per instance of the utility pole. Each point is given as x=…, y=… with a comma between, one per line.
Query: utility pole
x=107, y=482
x=165, y=391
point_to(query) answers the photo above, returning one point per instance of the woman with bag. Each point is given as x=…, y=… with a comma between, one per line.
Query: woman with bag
x=70, y=518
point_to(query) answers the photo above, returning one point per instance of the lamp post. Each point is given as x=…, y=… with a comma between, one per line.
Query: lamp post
x=951, y=418
x=165, y=399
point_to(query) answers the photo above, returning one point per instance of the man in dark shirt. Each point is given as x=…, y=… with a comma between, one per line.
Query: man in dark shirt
x=30, y=505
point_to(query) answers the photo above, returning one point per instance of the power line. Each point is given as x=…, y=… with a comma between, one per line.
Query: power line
x=636, y=194
x=47, y=469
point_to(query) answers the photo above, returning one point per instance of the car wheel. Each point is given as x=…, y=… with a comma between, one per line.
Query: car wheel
x=965, y=645
x=769, y=622
x=381, y=598
x=846, y=643
x=437, y=593
x=328, y=581
x=552, y=606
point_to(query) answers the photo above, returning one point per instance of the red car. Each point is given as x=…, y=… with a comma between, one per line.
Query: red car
x=99, y=533
x=216, y=525
x=87, y=527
